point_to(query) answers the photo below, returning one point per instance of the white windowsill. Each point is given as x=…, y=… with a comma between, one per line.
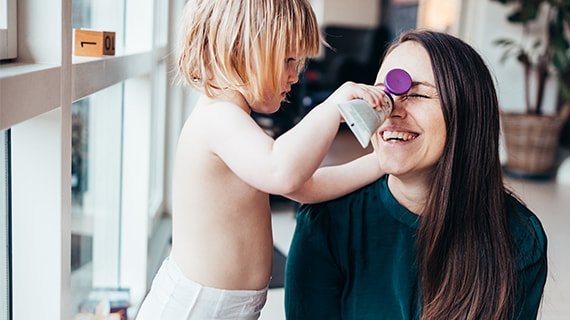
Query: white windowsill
x=27, y=90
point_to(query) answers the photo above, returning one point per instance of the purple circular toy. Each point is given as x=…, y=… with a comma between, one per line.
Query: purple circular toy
x=397, y=82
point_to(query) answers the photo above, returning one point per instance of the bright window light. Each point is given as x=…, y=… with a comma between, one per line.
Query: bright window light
x=8, y=36
x=3, y=14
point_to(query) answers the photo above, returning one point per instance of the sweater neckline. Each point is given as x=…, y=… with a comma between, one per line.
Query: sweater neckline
x=396, y=210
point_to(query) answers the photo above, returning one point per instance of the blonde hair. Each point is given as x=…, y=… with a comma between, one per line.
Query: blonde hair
x=243, y=44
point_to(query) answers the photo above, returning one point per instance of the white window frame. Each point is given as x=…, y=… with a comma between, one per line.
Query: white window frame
x=4, y=229
x=37, y=92
x=8, y=29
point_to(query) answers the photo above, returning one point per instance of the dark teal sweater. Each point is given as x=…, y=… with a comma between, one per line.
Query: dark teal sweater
x=355, y=258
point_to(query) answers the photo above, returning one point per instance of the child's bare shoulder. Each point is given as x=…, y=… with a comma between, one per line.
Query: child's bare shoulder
x=219, y=111
x=223, y=116
x=216, y=123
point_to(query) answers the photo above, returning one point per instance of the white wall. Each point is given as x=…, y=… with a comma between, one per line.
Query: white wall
x=482, y=23
x=358, y=13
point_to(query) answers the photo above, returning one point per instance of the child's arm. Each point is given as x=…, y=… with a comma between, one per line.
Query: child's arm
x=332, y=182
x=283, y=165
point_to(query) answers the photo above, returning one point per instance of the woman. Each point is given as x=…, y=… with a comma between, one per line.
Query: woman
x=439, y=236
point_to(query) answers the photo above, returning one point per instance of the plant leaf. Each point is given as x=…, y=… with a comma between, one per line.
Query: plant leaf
x=506, y=55
x=523, y=14
x=504, y=42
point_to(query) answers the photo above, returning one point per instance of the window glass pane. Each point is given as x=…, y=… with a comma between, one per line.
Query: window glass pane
x=100, y=15
x=4, y=225
x=135, y=201
x=95, y=190
x=139, y=25
x=81, y=14
x=137, y=151
x=161, y=38
x=3, y=14
x=158, y=135
x=8, y=32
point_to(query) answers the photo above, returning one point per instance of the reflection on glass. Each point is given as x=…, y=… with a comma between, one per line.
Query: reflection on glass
x=79, y=136
x=4, y=225
x=95, y=189
x=82, y=229
x=158, y=116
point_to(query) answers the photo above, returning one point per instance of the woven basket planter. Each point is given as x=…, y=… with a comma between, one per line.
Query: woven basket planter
x=532, y=142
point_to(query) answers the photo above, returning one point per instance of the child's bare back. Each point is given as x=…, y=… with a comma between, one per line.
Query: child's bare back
x=221, y=225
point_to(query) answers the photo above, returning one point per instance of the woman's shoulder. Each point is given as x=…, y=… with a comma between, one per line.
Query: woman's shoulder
x=527, y=232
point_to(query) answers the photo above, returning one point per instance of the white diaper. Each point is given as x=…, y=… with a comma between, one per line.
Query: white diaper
x=175, y=297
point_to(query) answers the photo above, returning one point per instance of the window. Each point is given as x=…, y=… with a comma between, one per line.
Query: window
x=4, y=226
x=95, y=193
x=8, y=32
x=87, y=155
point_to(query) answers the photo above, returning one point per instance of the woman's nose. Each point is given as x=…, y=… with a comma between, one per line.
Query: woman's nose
x=398, y=108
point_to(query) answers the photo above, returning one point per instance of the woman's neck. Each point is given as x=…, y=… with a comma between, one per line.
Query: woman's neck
x=410, y=192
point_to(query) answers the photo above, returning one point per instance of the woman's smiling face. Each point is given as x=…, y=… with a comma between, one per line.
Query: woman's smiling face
x=412, y=139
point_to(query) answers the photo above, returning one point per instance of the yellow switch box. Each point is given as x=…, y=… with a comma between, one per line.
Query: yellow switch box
x=94, y=43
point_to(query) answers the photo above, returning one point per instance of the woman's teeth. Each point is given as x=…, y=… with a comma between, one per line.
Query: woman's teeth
x=398, y=136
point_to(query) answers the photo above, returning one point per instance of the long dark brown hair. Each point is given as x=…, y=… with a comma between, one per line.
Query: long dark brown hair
x=465, y=251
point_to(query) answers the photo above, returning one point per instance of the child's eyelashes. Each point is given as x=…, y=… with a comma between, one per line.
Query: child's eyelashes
x=295, y=63
x=291, y=62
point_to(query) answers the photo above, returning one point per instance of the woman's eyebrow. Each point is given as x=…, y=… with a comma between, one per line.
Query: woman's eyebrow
x=422, y=83
x=414, y=84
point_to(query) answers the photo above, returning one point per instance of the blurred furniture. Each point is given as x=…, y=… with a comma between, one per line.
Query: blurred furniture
x=354, y=55
x=290, y=112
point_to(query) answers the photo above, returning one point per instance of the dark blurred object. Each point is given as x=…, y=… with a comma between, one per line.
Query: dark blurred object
x=291, y=112
x=565, y=135
x=81, y=250
x=277, y=269
x=355, y=56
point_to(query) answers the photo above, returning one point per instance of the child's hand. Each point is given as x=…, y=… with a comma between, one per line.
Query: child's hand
x=374, y=95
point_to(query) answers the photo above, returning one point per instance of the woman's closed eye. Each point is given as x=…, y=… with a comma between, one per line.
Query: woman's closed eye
x=415, y=96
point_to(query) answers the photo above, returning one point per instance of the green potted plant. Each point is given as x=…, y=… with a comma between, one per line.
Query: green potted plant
x=532, y=138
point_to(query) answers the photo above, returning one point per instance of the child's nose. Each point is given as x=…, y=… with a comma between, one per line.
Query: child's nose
x=293, y=77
